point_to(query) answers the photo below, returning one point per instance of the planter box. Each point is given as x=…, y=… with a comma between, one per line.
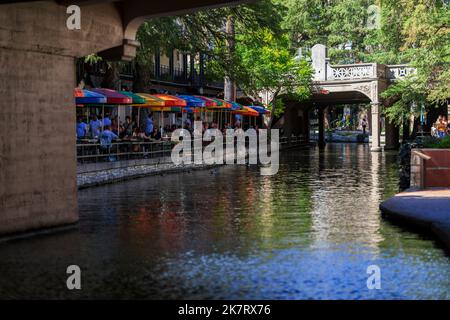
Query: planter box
x=430, y=168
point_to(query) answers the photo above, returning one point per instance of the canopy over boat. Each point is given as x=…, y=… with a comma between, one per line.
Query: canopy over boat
x=112, y=96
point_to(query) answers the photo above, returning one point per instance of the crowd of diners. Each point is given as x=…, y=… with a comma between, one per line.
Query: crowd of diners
x=441, y=127
x=109, y=129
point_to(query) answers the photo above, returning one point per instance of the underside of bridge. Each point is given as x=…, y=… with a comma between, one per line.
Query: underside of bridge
x=37, y=75
x=338, y=98
x=328, y=95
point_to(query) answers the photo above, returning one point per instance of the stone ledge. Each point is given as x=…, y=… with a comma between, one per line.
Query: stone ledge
x=96, y=178
x=426, y=209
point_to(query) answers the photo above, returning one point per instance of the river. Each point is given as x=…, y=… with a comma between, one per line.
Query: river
x=309, y=232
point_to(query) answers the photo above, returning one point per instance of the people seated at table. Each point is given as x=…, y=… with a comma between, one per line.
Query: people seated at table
x=156, y=134
x=81, y=128
x=116, y=127
x=139, y=134
x=95, y=126
x=128, y=127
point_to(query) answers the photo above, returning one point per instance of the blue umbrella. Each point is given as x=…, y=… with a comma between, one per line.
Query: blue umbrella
x=192, y=101
x=261, y=110
x=90, y=97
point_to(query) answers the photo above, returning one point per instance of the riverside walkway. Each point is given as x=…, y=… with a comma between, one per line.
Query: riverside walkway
x=429, y=209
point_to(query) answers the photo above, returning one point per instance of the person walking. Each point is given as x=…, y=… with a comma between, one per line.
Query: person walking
x=364, y=125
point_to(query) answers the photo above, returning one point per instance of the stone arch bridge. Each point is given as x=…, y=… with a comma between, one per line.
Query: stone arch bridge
x=354, y=83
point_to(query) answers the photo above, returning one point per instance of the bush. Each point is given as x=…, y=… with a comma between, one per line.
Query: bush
x=436, y=143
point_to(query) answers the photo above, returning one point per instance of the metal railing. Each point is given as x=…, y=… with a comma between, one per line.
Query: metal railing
x=93, y=152
x=123, y=150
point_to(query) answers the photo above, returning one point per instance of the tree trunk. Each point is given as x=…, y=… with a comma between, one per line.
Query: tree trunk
x=274, y=106
x=230, y=85
x=406, y=125
x=112, y=76
x=415, y=127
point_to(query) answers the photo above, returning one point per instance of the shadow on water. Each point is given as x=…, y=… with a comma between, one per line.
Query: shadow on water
x=310, y=231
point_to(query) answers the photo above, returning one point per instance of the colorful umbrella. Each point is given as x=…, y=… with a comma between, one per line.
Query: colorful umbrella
x=88, y=97
x=137, y=99
x=250, y=112
x=208, y=101
x=171, y=101
x=112, y=96
x=151, y=101
x=192, y=101
x=259, y=109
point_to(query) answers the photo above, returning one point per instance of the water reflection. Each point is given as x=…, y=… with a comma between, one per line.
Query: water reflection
x=308, y=232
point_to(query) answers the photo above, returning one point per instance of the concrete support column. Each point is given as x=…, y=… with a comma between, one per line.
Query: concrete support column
x=392, y=136
x=37, y=141
x=321, y=141
x=375, y=126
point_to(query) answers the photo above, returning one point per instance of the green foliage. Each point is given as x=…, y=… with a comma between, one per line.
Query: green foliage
x=260, y=60
x=203, y=32
x=92, y=59
x=436, y=143
x=267, y=65
x=416, y=32
x=340, y=25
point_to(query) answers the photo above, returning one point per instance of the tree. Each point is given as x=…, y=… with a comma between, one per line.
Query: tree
x=267, y=65
x=205, y=33
x=423, y=42
x=340, y=25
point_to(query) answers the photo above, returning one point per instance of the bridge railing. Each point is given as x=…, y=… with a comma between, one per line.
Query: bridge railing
x=368, y=71
x=399, y=71
x=352, y=71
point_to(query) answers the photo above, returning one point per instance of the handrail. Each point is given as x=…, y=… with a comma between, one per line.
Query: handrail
x=128, y=150
x=351, y=65
x=422, y=155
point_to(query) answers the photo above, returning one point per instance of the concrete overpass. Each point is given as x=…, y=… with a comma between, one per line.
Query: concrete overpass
x=37, y=77
x=355, y=83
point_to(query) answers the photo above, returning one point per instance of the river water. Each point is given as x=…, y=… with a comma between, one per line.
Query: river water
x=309, y=232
